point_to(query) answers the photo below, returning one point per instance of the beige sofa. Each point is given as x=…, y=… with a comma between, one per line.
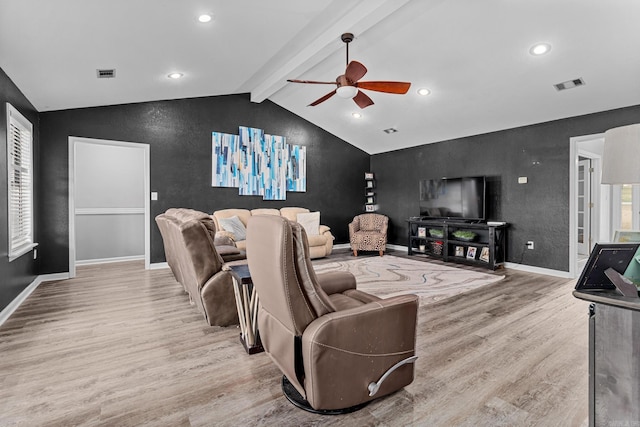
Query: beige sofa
x=320, y=245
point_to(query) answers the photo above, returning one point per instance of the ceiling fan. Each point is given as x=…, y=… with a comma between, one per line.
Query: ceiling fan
x=348, y=84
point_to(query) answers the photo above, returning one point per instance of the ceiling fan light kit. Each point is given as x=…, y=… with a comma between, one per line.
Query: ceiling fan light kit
x=347, y=92
x=349, y=86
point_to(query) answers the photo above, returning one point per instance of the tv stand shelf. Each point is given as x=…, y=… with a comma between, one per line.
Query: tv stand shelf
x=436, y=238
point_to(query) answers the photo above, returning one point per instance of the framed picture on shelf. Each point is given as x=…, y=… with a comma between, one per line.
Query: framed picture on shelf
x=484, y=254
x=370, y=200
x=471, y=252
x=369, y=193
x=369, y=184
x=368, y=175
x=422, y=232
x=460, y=251
x=370, y=208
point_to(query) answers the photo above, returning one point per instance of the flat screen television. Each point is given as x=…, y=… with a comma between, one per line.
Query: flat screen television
x=453, y=198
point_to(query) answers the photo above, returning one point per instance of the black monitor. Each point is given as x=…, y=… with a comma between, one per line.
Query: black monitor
x=604, y=256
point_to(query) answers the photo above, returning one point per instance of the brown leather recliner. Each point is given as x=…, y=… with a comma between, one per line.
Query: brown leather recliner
x=338, y=347
x=195, y=262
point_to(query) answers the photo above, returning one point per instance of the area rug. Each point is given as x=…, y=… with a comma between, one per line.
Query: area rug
x=388, y=276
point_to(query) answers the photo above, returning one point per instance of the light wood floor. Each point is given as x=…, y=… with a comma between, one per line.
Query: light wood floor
x=121, y=346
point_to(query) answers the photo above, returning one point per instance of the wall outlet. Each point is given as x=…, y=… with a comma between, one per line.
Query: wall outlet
x=530, y=244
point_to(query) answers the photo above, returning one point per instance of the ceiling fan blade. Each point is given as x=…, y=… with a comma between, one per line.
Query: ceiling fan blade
x=362, y=100
x=388, y=87
x=324, y=98
x=355, y=71
x=313, y=82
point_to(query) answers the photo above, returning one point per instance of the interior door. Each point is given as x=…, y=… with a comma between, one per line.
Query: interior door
x=584, y=206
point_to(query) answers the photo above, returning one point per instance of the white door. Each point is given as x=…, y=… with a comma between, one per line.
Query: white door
x=584, y=206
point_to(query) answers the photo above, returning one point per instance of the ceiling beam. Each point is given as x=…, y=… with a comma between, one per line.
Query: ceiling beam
x=364, y=15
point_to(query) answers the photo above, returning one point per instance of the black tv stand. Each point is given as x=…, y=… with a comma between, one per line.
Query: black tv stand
x=437, y=238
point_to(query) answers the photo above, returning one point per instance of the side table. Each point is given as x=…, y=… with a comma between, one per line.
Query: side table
x=247, y=305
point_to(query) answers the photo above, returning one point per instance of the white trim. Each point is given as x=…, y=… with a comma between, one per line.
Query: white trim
x=573, y=192
x=512, y=265
x=17, y=254
x=158, y=265
x=539, y=270
x=22, y=296
x=343, y=246
x=109, y=260
x=27, y=242
x=109, y=211
x=72, y=209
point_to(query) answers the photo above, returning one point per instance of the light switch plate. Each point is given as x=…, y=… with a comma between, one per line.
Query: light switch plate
x=154, y=195
x=522, y=180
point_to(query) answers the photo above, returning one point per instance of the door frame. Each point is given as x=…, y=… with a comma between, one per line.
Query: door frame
x=73, y=141
x=574, y=153
x=589, y=221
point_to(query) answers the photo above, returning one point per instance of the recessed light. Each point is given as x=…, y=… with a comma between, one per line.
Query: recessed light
x=540, y=49
x=356, y=115
x=175, y=75
x=424, y=91
x=204, y=18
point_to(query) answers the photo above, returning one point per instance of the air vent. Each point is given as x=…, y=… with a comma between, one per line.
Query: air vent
x=106, y=73
x=569, y=84
x=390, y=130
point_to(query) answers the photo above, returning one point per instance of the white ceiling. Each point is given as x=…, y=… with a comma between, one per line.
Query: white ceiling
x=473, y=56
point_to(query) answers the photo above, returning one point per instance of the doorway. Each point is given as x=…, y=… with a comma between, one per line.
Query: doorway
x=590, y=201
x=108, y=203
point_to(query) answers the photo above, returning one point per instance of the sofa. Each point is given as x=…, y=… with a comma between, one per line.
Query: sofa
x=319, y=236
x=196, y=263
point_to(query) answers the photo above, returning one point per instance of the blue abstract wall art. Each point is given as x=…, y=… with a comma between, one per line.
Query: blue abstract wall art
x=258, y=164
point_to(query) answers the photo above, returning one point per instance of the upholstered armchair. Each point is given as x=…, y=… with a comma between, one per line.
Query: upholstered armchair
x=368, y=232
x=338, y=347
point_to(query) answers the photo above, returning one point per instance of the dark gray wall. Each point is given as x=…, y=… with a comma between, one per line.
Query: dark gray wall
x=537, y=211
x=179, y=134
x=18, y=274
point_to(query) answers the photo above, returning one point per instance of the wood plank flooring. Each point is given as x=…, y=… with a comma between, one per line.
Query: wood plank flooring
x=121, y=346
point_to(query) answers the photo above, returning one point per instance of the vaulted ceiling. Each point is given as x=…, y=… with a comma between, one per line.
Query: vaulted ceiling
x=473, y=56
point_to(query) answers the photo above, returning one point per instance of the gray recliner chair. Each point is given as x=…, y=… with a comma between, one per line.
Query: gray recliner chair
x=338, y=347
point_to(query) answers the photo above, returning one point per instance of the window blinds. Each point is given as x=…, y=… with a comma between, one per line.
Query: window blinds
x=20, y=182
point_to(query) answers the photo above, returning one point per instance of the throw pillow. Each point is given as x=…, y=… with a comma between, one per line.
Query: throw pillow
x=235, y=226
x=310, y=221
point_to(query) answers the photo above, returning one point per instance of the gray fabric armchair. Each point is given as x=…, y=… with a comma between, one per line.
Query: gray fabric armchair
x=338, y=347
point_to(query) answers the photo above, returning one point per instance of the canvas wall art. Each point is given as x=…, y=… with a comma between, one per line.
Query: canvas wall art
x=258, y=164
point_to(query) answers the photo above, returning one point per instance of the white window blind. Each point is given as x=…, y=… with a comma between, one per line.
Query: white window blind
x=20, y=182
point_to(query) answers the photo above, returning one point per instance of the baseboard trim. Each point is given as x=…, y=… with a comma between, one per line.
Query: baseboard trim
x=158, y=265
x=342, y=246
x=110, y=260
x=539, y=270
x=514, y=266
x=22, y=296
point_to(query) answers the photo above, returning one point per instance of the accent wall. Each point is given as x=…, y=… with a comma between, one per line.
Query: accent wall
x=179, y=135
x=16, y=275
x=538, y=210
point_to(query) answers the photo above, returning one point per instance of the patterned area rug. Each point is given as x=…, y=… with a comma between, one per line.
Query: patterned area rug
x=388, y=276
